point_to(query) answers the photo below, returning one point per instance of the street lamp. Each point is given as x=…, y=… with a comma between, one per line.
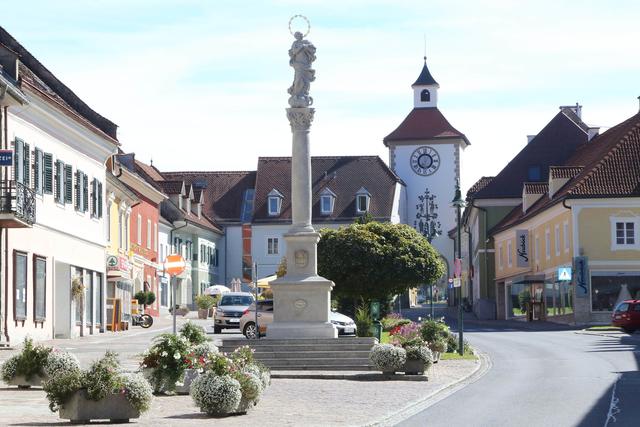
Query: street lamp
x=458, y=203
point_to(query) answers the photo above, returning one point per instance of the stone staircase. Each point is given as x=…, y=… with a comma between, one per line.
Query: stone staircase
x=337, y=354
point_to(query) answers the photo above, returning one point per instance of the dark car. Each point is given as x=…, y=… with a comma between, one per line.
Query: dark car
x=627, y=316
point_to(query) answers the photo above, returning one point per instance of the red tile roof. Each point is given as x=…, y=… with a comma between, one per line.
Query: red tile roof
x=562, y=172
x=553, y=145
x=479, y=185
x=424, y=123
x=344, y=175
x=536, y=187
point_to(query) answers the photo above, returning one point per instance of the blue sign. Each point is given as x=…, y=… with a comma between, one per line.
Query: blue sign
x=581, y=267
x=6, y=157
x=564, y=274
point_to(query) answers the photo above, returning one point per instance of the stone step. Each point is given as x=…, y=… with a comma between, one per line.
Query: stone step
x=312, y=355
x=302, y=341
x=322, y=368
x=315, y=363
x=300, y=348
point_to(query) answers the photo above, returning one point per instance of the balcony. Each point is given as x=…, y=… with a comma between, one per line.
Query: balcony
x=17, y=205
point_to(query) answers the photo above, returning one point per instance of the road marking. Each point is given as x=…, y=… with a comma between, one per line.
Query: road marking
x=613, y=405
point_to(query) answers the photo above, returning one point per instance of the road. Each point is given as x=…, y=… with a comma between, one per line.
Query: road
x=545, y=378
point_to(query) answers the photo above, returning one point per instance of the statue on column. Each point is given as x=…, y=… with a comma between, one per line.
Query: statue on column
x=302, y=54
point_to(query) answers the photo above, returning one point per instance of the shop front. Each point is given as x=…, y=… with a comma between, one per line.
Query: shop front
x=609, y=288
x=119, y=293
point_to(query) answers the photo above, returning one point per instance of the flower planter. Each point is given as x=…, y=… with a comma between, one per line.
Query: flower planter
x=245, y=406
x=203, y=313
x=436, y=356
x=185, y=386
x=116, y=408
x=22, y=382
x=413, y=367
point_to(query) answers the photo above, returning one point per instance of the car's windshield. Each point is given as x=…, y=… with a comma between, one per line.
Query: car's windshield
x=623, y=306
x=236, y=300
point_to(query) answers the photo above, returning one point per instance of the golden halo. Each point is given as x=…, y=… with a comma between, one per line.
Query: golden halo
x=306, y=20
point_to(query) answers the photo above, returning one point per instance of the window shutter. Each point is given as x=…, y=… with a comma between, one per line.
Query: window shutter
x=59, y=182
x=99, y=199
x=78, y=200
x=37, y=171
x=18, y=173
x=68, y=184
x=48, y=173
x=26, y=158
x=85, y=193
x=92, y=205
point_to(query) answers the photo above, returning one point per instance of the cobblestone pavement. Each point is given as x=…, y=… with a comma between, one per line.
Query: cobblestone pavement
x=288, y=402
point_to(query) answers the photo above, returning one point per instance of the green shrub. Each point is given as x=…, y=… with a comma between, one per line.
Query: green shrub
x=433, y=329
x=205, y=302
x=393, y=321
x=193, y=333
x=452, y=343
x=151, y=298
x=363, y=321
x=145, y=298
x=30, y=362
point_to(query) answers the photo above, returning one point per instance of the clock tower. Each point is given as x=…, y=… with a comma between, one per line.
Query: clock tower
x=424, y=151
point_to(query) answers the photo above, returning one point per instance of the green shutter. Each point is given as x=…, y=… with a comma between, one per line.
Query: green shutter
x=99, y=199
x=58, y=193
x=18, y=173
x=85, y=193
x=48, y=173
x=26, y=158
x=68, y=184
x=78, y=204
x=37, y=171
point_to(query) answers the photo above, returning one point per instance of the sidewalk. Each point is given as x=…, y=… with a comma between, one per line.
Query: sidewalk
x=359, y=400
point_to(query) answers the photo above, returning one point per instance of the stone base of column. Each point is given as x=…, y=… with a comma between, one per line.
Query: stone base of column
x=301, y=308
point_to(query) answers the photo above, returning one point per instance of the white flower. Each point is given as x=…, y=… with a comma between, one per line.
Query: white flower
x=164, y=354
x=176, y=356
x=387, y=357
x=164, y=366
x=216, y=394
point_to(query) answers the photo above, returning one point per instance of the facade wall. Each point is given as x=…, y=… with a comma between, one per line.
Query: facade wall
x=144, y=244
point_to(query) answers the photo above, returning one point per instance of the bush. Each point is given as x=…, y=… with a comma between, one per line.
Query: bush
x=452, y=343
x=137, y=391
x=420, y=352
x=59, y=362
x=439, y=345
x=387, y=357
x=30, y=362
x=205, y=302
x=363, y=321
x=433, y=329
x=392, y=321
x=145, y=298
x=193, y=333
x=250, y=384
x=167, y=360
x=216, y=394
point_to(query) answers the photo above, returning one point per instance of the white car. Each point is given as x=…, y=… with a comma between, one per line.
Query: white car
x=230, y=309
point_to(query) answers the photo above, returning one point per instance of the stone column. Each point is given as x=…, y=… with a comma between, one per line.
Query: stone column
x=300, y=120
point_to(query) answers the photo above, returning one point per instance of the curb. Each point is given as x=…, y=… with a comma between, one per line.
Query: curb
x=436, y=396
x=351, y=377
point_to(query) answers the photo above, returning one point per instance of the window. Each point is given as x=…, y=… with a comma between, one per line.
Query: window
x=88, y=298
x=509, y=254
x=537, y=250
x=624, y=232
x=109, y=222
x=148, y=234
x=274, y=201
x=139, y=228
x=215, y=257
x=120, y=230
x=363, y=198
x=77, y=273
x=557, y=240
x=272, y=246
x=608, y=286
x=547, y=243
x=81, y=191
x=425, y=96
x=500, y=256
x=327, y=201
x=534, y=173
x=39, y=288
x=59, y=182
x=20, y=285
x=125, y=237
x=99, y=299
x=565, y=232
x=68, y=184
x=155, y=237
x=18, y=159
x=164, y=292
x=37, y=171
x=47, y=175
x=96, y=199
x=202, y=254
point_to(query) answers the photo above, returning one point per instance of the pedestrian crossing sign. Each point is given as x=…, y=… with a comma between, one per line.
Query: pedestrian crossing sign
x=564, y=274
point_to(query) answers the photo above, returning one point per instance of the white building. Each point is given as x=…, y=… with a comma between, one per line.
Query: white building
x=53, y=231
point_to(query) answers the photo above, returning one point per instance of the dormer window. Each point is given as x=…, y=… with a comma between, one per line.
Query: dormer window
x=274, y=202
x=425, y=96
x=188, y=207
x=363, y=197
x=327, y=201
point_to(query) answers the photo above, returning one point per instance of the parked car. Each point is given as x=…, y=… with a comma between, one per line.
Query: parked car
x=626, y=315
x=344, y=324
x=230, y=309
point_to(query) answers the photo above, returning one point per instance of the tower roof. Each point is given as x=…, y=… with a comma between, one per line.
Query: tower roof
x=424, y=123
x=425, y=78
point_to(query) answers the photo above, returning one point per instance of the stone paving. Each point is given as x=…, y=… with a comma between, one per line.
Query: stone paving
x=288, y=402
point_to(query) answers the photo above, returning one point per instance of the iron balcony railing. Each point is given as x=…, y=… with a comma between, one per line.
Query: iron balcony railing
x=19, y=200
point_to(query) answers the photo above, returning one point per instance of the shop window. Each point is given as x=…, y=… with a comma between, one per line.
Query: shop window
x=99, y=299
x=609, y=288
x=509, y=254
x=20, y=285
x=40, y=288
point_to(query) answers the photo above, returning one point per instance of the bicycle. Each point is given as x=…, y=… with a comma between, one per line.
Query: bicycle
x=143, y=320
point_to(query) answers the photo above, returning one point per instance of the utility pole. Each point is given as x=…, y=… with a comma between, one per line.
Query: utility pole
x=458, y=203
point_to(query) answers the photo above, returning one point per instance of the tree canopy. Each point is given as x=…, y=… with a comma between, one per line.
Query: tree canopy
x=376, y=260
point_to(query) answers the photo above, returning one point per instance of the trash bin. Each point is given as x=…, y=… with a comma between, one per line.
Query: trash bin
x=376, y=329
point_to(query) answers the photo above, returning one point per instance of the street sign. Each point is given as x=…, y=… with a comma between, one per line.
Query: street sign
x=457, y=282
x=457, y=267
x=6, y=157
x=174, y=265
x=564, y=274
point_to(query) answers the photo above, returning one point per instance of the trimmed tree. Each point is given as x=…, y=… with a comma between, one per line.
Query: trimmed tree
x=376, y=260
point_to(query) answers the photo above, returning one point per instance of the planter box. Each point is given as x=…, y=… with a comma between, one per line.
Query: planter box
x=244, y=406
x=189, y=376
x=436, y=356
x=115, y=407
x=21, y=381
x=413, y=367
x=203, y=313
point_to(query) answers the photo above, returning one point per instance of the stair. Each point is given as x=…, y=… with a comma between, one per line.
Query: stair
x=333, y=354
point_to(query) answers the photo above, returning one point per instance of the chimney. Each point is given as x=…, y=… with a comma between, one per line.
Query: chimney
x=593, y=131
x=9, y=62
x=639, y=103
x=577, y=109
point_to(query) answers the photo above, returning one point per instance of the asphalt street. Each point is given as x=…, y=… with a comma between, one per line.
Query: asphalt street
x=545, y=378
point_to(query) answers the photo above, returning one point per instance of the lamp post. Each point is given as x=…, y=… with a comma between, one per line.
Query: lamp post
x=458, y=203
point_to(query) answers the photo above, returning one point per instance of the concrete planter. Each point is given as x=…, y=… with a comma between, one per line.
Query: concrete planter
x=22, y=382
x=436, y=356
x=189, y=376
x=413, y=367
x=203, y=313
x=245, y=406
x=115, y=408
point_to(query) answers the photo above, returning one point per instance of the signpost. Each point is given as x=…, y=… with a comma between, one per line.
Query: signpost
x=564, y=274
x=174, y=265
x=6, y=157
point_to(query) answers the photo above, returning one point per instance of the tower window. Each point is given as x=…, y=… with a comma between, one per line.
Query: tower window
x=425, y=96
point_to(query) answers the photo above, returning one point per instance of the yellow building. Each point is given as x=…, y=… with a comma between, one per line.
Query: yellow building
x=571, y=250
x=119, y=257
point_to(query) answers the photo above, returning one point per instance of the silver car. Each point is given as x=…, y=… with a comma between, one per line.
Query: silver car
x=230, y=309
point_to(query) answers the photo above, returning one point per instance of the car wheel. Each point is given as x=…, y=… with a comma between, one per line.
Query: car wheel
x=250, y=331
x=630, y=331
x=217, y=329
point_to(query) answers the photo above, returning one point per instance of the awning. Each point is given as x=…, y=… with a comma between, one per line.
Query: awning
x=529, y=279
x=264, y=282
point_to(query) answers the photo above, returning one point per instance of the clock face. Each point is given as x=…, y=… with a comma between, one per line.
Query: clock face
x=425, y=161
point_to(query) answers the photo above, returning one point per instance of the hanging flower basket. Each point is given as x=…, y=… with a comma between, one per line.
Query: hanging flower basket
x=77, y=288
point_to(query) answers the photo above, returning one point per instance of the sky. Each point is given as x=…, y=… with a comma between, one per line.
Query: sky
x=201, y=85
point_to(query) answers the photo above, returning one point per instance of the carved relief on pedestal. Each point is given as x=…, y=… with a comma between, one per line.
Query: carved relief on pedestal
x=301, y=258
